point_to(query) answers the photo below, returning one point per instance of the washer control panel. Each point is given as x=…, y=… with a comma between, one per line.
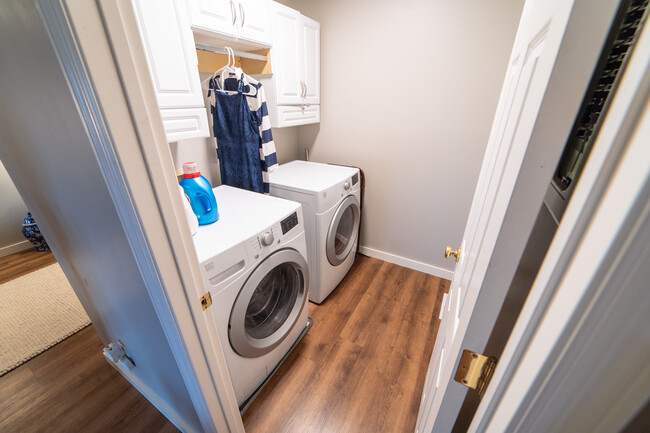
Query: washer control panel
x=289, y=222
x=267, y=239
x=274, y=236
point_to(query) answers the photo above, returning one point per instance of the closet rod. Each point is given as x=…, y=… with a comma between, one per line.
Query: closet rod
x=222, y=50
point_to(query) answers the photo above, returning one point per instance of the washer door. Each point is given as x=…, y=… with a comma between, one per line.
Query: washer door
x=269, y=304
x=343, y=231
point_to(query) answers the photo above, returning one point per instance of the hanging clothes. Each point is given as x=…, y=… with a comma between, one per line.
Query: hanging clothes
x=256, y=100
x=236, y=129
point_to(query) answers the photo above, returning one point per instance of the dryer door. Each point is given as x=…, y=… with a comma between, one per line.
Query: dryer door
x=343, y=231
x=269, y=304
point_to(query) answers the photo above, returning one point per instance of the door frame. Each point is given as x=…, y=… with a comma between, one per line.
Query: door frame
x=607, y=216
x=109, y=79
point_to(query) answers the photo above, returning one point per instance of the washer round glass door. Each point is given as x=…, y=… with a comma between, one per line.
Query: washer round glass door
x=269, y=304
x=343, y=231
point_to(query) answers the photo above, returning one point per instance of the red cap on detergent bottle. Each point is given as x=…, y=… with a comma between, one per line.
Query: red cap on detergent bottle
x=190, y=170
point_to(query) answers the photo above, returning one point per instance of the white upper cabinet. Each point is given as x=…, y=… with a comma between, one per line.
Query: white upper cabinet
x=247, y=20
x=310, y=44
x=255, y=21
x=294, y=90
x=286, y=55
x=218, y=16
x=169, y=47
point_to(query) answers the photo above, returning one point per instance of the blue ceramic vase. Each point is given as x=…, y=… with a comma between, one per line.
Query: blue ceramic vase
x=33, y=233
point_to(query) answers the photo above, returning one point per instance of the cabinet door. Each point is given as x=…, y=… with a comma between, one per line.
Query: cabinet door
x=169, y=46
x=286, y=55
x=254, y=21
x=310, y=48
x=295, y=115
x=218, y=16
x=185, y=123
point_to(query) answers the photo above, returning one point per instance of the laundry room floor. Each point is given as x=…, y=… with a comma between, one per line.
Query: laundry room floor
x=362, y=366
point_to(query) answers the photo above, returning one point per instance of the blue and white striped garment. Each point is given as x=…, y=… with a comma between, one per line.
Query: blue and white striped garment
x=257, y=104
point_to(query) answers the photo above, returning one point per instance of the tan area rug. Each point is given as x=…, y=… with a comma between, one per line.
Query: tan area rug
x=37, y=311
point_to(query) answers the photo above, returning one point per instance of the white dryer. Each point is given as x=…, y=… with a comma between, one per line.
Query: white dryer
x=254, y=264
x=330, y=196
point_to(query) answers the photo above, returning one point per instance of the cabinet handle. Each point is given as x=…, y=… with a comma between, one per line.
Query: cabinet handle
x=243, y=15
x=302, y=89
x=234, y=12
x=305, y=84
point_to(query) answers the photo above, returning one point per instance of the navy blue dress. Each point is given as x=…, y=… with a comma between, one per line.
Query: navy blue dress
x=236, y=129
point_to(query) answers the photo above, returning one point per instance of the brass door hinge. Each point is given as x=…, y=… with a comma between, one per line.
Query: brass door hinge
x=475, y=370
x=206, y=301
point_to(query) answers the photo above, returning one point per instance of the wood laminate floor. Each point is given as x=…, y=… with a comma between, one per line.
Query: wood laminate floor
x=22, y=263
x=362, y=366
x=70, y=387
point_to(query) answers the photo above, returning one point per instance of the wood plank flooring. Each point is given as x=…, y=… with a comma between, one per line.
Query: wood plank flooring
x=70, y=387
x=21, y=263
x=362, y=366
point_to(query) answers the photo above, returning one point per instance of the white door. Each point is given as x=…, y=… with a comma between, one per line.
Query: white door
x=310, y=48
x=214, y=16
x=542, y=92
x=169, y=45
x=286, y=55
x=255, y=21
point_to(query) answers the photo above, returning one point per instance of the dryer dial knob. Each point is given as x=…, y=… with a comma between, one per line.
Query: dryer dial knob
x=267, y=239
x=346, y=185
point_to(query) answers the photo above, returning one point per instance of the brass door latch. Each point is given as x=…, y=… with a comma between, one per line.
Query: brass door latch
x=206, y=301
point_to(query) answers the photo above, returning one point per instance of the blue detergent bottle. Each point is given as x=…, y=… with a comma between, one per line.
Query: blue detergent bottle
x=199, y=191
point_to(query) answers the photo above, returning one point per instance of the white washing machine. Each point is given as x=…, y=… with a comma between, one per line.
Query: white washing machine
x=254, y=264
x=330, y=196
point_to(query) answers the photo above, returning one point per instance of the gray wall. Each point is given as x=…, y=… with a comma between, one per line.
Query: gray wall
x=12, y=212
x=408, y=93
x=46, y=150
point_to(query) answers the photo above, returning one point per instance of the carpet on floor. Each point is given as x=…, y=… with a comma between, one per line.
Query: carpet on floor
x=37, y=311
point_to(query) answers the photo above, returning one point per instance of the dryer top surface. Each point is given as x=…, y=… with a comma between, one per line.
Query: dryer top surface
x=309, y=176
x=242, y=215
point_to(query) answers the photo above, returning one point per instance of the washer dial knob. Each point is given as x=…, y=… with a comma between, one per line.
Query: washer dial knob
x=267, y=239
x=346, y=185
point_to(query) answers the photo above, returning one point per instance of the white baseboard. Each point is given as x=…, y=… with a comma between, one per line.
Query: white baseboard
x=407, y=263
x=153, y=398
x=14, y=248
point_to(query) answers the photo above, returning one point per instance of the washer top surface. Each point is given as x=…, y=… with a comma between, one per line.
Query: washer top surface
x=242, y=215
x=309, y=176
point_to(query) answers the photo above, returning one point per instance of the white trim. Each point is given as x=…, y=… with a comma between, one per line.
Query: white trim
x=147, y=239
x=153, y=398
x=15, y=248
x=407, y=263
